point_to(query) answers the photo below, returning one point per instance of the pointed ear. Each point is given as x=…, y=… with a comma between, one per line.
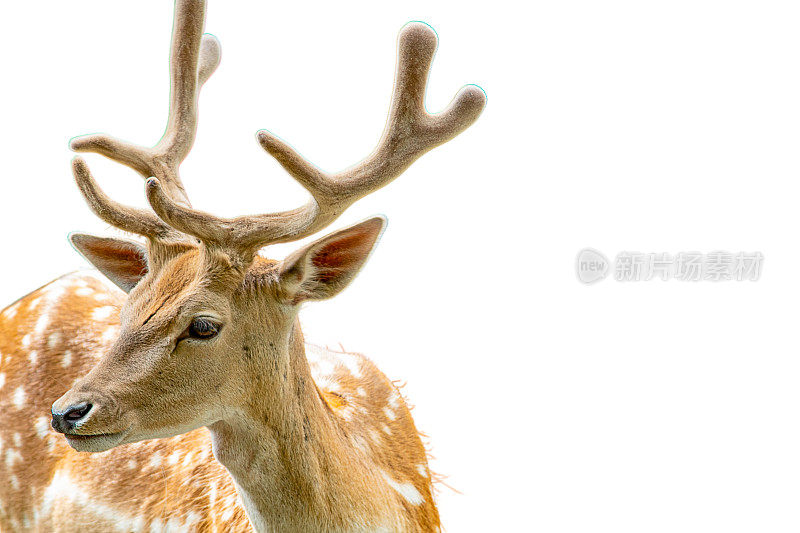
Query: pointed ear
x=325, y=267
x=123, y=262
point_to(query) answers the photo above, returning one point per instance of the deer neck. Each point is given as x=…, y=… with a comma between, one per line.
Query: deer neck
x=292, y=463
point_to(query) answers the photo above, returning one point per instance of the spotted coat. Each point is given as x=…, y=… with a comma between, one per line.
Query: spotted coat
x=53, y=336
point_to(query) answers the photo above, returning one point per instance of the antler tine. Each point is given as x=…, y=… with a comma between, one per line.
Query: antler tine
x=410, y=131
x=193, y=58
x=121, y=216
x=185, y=76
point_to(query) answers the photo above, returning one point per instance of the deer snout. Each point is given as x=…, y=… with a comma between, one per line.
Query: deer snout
x=65, y=420
x=84, y=410
x=90, y=420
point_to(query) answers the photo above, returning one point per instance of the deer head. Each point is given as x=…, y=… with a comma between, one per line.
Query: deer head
x=208, y=323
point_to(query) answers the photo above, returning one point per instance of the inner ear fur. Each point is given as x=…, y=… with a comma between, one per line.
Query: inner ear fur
x=325, y=267
x=122, y=261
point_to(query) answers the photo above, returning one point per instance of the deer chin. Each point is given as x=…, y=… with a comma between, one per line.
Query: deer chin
x=95, y=443
x=141, y=432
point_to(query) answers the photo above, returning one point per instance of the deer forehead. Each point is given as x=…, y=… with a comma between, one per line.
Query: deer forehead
x=186, y=283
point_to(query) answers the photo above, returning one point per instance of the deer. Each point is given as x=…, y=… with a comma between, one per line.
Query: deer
x=171, y=389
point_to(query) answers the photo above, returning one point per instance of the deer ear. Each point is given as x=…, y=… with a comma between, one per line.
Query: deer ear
x=325, y=267
x=123, y=262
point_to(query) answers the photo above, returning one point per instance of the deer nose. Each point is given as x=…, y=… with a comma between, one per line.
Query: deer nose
x=65, y=420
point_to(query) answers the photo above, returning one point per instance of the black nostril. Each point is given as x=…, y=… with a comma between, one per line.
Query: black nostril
x=76, y=412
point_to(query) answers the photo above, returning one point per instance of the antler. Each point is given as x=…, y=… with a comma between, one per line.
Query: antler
x=409, y=132
x=193, y=58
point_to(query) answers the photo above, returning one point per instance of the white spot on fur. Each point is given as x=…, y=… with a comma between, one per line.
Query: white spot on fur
x=386, y=429
x=347, y=413
x=26, y=341
x=42, y=322
x=33, y=356
x=389, y=413
x=174, y=458
x=325, y=382
x=360, y=443
x=422, y=470
x=131, y=464
x=11, y=312
x=84, y=291
x=17, y=440
x=102, y=313
x=19, y=398
x=352, y=362
x=361, y=391
x=12, y=456
x=191, y=518
x=34, y=303
x=101, y=297
x=406, y=490
x=394, y=399
x=2, y=379
x=155, y=460
x=188, y=459
x=42, y=426
x=212, y=493
x=376, y=437
x=54, y=340
x=14, y=482
x=53, y=293
x=323, y=367
x=110, y=334
x=66, y=359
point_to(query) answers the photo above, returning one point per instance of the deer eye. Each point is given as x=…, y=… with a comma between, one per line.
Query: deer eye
x=202, y=328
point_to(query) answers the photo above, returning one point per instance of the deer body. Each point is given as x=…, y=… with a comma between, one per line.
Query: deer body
x=370, y=473
x=205, y=353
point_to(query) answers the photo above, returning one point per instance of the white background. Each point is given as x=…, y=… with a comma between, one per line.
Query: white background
x=642, y=126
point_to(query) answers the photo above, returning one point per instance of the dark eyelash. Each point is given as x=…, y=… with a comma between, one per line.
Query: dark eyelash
x=203, y=326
